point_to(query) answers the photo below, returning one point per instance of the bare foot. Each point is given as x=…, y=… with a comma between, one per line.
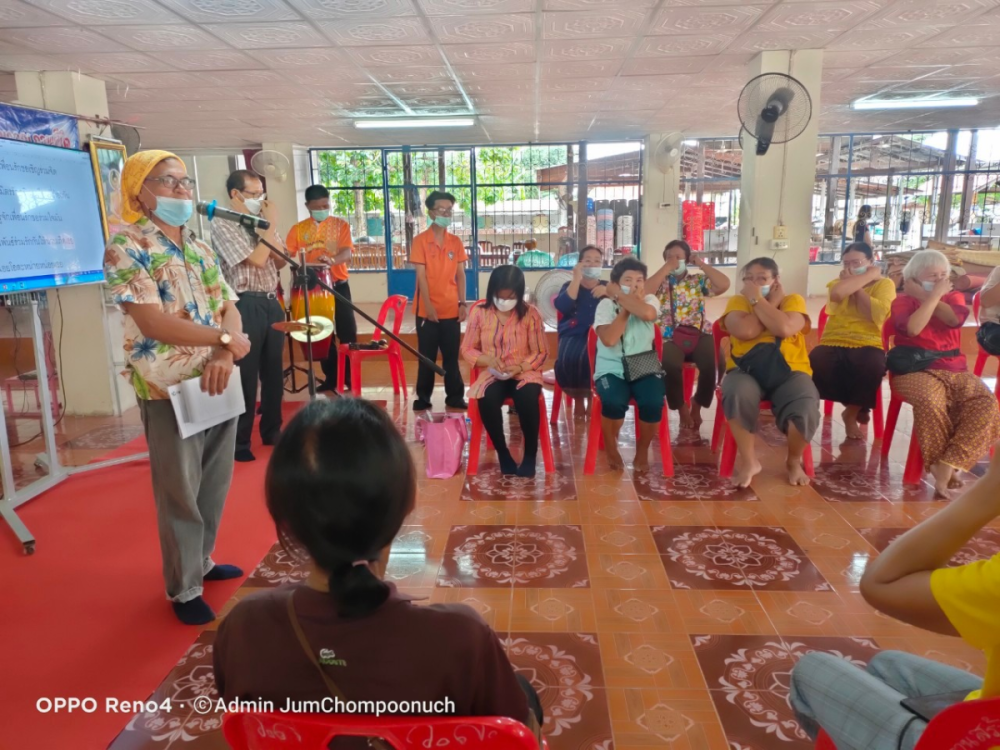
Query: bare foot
x=685, y=414
x=943, y=475
x=580, y=409
x=641, y=462
x=850, y=417
x=955, y=483
x=797, y=476
x=696, y=416
x=745, y=472
x=615, y=462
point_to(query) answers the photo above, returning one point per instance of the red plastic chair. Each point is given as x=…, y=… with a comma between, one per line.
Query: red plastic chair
x=476, y=433
x=970, y=725
x=727, y=461
x=595, y=436
x=394, y=353
x=914, y=471
x=983, y=357
x=557, y=392
x=878, y=418
x=290, y=731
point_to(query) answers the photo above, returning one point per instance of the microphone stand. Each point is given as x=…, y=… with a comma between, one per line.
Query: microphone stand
x=300, y=269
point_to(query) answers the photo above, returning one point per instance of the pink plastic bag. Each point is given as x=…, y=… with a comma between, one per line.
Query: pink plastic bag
x=444, y=437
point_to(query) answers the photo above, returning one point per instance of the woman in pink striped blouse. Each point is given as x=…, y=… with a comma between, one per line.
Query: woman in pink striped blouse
x=505, y=338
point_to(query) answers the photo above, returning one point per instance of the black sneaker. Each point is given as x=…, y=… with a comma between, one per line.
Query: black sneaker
x=327, y=387
x=459, y=405
x=244, y=455
x=419, y=405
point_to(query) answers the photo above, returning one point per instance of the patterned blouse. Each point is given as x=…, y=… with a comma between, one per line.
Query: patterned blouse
x=143, y=266
x=689, y=301
x=516, y=342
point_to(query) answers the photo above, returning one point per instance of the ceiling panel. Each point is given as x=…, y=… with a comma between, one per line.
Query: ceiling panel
x=167, y=38
x=467, y=7
x=326, y=9
x=208, y=60
x=232, y=11
x=606, y=23
x=485, y=29
x=366, y=31
x=473, y=54
x=60, y=38
x=264, y=35
x=14, y=13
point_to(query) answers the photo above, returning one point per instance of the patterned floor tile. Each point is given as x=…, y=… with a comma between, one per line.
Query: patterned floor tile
x=982, y=546
x=530, y=556
x=490, y=484
x=690, y=482
x=740, y=557
x=650, y=660
x=748, y=677
x=617, y=571
x=557, y=659
x=637, y=611
x=552, y=610
x=278, y=567
x=675, y=719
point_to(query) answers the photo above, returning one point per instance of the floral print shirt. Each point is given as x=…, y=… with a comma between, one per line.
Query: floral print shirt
x=144, y=267
x=689, y=303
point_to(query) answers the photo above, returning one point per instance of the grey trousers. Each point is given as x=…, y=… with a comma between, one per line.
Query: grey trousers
x=859, y=708
x=191, y=479
x=796, y=401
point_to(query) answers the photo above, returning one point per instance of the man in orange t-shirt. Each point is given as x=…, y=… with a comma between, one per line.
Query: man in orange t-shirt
x=327, y=242
x=439, y=304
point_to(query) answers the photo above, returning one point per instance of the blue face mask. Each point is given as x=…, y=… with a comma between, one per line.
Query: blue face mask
x=928, y=285
x=765, y=290
x=858, y=270
x=321, y=216
x=591, y=272
x=174, y=212
x=626, y=289
x=680, y=270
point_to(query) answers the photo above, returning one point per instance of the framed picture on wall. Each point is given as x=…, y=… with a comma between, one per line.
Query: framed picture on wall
x=108, y=159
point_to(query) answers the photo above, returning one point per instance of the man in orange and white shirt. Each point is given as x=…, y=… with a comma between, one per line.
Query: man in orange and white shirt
x=327, y=241
x=439, y=304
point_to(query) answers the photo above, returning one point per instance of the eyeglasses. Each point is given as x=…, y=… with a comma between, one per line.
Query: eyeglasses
x=441, y=211
x=170, y=182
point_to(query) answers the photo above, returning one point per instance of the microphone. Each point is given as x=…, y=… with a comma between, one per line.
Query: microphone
x=212, y=211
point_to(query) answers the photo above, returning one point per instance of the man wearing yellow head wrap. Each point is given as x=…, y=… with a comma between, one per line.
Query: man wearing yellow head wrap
x=180, y=322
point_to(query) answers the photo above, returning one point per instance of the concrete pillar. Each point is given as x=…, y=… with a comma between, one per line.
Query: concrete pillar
x=761, y=202
x=660, y=204
x=87, y=375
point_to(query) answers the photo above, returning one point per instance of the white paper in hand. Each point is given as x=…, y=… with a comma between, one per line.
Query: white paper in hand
x=500, y=375
x=196, y=411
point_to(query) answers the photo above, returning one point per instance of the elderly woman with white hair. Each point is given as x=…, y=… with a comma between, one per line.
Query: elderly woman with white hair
x=955, y=416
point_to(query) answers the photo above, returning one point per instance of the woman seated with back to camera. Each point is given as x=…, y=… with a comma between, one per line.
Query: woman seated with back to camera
x=849, y=363
x=339, y=485
x=686, y=329
x=625, y=326
x=955, y=416
x=760, y=369
x=505, y=337
x=577, y=302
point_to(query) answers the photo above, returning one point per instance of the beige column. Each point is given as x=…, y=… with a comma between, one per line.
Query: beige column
x=778, y=187
x=289, y=195
x=660, y=204
x=87, y=375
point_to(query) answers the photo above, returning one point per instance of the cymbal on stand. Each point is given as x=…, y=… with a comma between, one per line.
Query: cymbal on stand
x=317, y=328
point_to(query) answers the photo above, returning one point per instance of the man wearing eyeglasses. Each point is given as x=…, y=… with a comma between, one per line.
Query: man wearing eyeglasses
x=252, y=271
x=181, y=322
x=439, y=258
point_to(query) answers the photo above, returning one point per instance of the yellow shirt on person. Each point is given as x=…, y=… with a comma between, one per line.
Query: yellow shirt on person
x=969, y=596
x=793, y=348
x=848, y=327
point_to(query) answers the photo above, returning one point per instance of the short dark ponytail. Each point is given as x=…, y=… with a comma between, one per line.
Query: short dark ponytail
x=338, y=486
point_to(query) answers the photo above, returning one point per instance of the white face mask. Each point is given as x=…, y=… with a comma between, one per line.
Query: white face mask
x=504, y=305
x=858, y=270
x=253, y=205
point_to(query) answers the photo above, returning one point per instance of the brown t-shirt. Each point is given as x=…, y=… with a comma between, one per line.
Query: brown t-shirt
x=400, y=652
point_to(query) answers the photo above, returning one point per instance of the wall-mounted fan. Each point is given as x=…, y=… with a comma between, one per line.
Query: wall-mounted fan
x=128, y=136
x=774, y=108
x=271, y=165
x=667, y=153
x=546, y=291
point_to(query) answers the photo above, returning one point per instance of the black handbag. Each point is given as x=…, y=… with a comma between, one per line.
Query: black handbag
x=988, y=337
x=642, y=365
x=904, y=360
x=765, y=364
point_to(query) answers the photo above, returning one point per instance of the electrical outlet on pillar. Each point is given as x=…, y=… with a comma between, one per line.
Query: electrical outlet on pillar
x=780, y=232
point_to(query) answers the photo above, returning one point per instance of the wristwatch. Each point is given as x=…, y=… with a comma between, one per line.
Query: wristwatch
x=226, y=338
x=753, y=302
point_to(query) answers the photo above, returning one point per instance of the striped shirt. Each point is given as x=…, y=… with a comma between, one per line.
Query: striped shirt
x=233, y=244
x=516, y=342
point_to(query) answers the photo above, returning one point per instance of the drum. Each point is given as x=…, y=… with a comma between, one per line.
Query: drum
x=321, y=303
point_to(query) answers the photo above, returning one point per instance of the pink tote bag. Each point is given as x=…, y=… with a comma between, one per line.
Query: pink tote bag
x=444, y=437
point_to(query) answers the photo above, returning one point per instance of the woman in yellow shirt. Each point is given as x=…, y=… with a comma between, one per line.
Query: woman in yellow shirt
x=762, y=315
x=849, y=363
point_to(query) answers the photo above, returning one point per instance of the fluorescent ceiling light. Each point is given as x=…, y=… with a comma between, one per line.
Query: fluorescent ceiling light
x=690, y=143
x=923, y=103
x=421, y=122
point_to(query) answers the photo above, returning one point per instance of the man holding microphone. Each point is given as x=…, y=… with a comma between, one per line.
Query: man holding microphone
x=180, y=322
x=252, y=271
